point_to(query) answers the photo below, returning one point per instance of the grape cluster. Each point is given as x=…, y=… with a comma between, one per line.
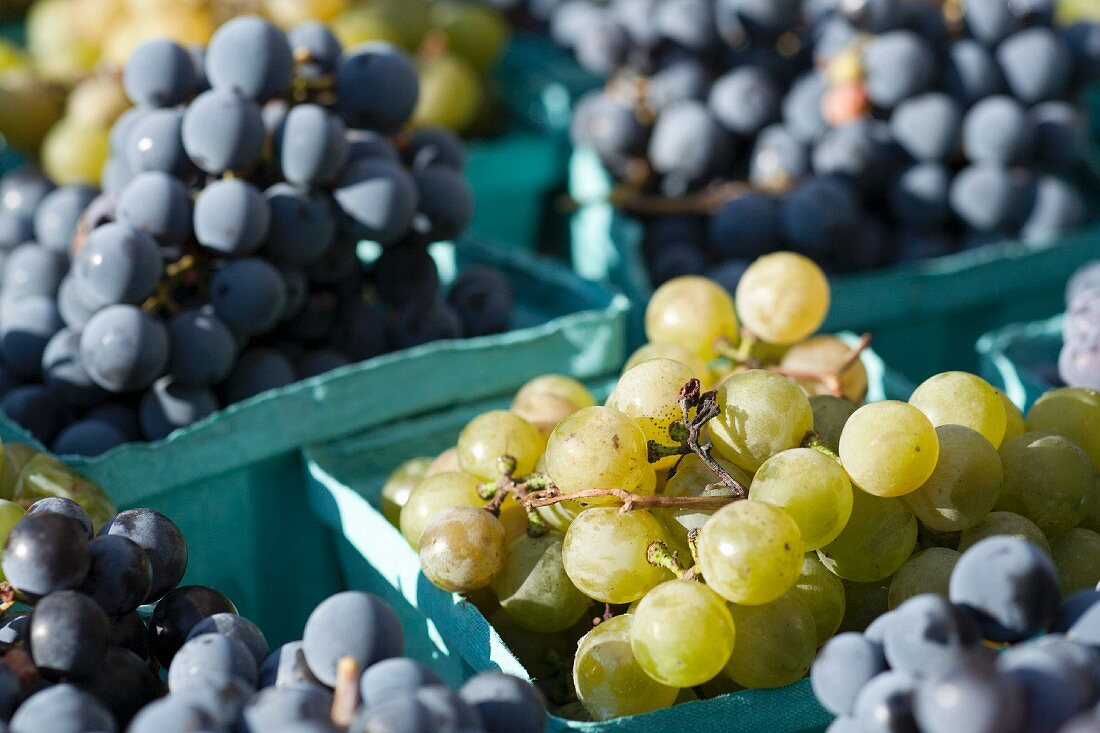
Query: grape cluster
x=1079, y=360
x=221, y=260
x=857, y=133
x=802, y=512
x=76, y=655
x=922, y=666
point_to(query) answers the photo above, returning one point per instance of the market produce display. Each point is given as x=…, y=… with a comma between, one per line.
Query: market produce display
x=93, y=612
x=64, y=92
x=922, y=667
x=859, y=134
x=221, y=260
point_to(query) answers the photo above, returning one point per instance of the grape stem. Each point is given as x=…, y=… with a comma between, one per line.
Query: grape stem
x=345, y=698
x=831, y=379
x=659, y=555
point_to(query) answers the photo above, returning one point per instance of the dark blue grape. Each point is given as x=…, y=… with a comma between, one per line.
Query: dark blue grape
x=860, y=152
x=447, y=708
x=317, y=319
x=271, y=707
x=602, y=47
x=885, y=704
x=778, y=159
x=223, y=130
x=316, y=363
x=159, y=205
x=927, y=126
x=1057, y=208
x=728, y=273
x=989, y=197
x=118, y=264
x=746, y=228
x=237, y=627
x=1009, y=585
x=350, y=624
x=377, y=87
x=368, y=144
x=316, y=42
x=928, y=635
x=483, y=299
x=831, y=34
x=128, y=631
x=1073, y=609
x=745, y=100
x=690, y=24
x=874, y=16
x=297, y=290
x=680, y=80
x=36, y=409
x=430, y=146
x=1060, y=135
x=302, y=225
x=159, y=74
x=25, y=330
x=505, y=704
x=121, y=416
x=231, y=217
x=31, y=269
x=675, y=259
x=57, y=214
x=421, y=322
x=119, y=136
x=1037, y=64
x=311, y=145
x=990, y=21
x=286, y=667
x=339, y=269
x=688, y=146
x=46, y=553
x=258, y=370
x=123, y=683
x=211, y=658
x=610, y=127
x=22, y=189
x=1083, y=39
x=404, y=274
x=1085, y=628
x=63, y=709
x=897, y=65
x=361, y=330
x=843, y=667
x=177, y=613
x=87, y=438
x=919, y=196
x=820, y=215
x=67, y=636
x=969, y=696
x=998, y=130
x=802, y=108
x=202, y=347
x=172, y=714
x=15, y=229
x=116, y=176
x=1054, y=692
x=446, y=203
x=162, y=542
x=123, y=349
x=249, y=295
x=971, y=72
x=252, y=56
x=393, y=678
x=64, y=507
x=169, y=406
x=154, y=142
x=377, y=200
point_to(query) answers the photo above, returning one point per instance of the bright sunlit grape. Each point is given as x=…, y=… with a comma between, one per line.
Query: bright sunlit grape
x=399, y=485
x=1073, y=412
x=775, y=645
x=928, y=571
x=649, y=393
x=825, y=354
x=604, y=554
x=959, y=398
x=693, y=312
x=461, y=549
x=433, y=495
x=762, y=413
x=533, y=588
x=597, y=448
x=676, y=352
x=823, y=594
x=494, y=434
x=1048, y=479
x=809, y=486
x=889, y=448
x=879, y=537
x=783, y=297
x=965, y=484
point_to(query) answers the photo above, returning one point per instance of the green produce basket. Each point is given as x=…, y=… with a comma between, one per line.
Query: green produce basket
x=346, y=481
x=539, y=83
x=1022, y=359
x=235, y=482
x=925, y=316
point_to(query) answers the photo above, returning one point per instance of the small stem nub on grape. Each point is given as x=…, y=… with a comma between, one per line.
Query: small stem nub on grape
x=814, y=442
x=345, y=700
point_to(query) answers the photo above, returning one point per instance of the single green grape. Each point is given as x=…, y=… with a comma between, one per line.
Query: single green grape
x=597, y=448
x=604, y=554
x=863, y=603
x=75, y=153
x=1004, y=523
x=783, y=297
x=823, y=594
x=1048, y=479
x=461, y=549
x=400, y=22
x=433, y=495
x=1076, y=553
x=547, y=400
x=1073, y=412
x=10, y=514
x=682, y=634
x=965, y=484
x=533, y=588
x=676, y=352
x=498, y=433
x=395, y=492
x=776, y=643
x=650, y=393
x=609, y=681
x=750, y=552
x=762, y=413
x=830, y=415
x=879, y=537
x=451, y=93
x=1014, y=419
x=826, y=353
x=693, y=312
x=959, y=398
x=44, y=476
x=16, y=456
x=476, y=32
x=889, y=448
x=809, y=486
x=928, y=571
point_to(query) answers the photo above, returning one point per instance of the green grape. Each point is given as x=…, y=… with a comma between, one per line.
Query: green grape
x=776, y=643
x=400, y=22
x=682, y=634
x=1091, y=520
x=289, y=13
x=451, y=93
x=16, y=455
x=809, y=486
x=783, y=297
x=1014, y=419
x=558, y=516
x=863, y=603
x=10, y=514
x=96, y=102
x=750, y=552
x=1076, y=552
x=826, y=354
x=462, y=548
x=597, y=448
x=878, y=539
x=928, y=571
x=74, y=153
x=29, y=107
x=676, y=352
x=604, y=554
x=692, y=312
x=959, y=398
x=965, y=484
x=1073, y=412
x=533, y=588
x=433, y=495
x=547, y=400
x=649, y=393
x=445, y=461
x=395, y=492
x=830, y=415
x=609, y=681
x=44, y=476
x=889, y=448
x=1047, y=479
x=477, y=33
x=762, y=413
x=498, y=433
x=513, y=516
x=1004, y=523
x=693, y=477
x=823, y=594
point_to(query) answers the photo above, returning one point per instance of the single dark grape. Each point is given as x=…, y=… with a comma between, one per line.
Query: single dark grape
x=46, y=553
x=176, y=614
x=162, y=542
